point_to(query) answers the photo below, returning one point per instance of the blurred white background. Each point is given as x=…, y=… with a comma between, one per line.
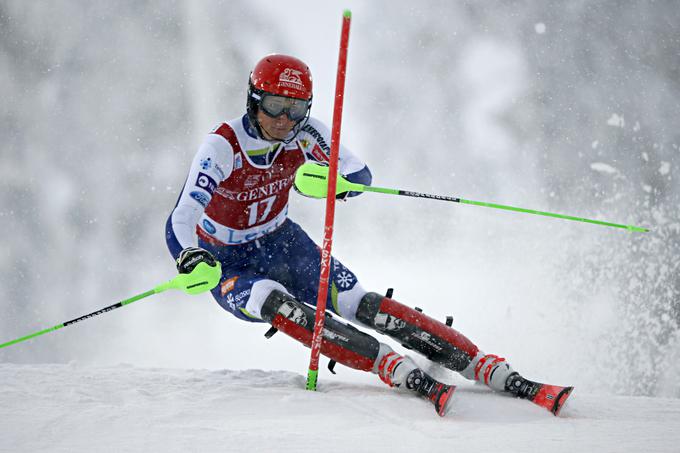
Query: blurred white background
x=570, y=107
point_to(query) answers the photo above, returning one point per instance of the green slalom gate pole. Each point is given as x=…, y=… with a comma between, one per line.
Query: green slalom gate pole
x=311, y=180
x=203, y=278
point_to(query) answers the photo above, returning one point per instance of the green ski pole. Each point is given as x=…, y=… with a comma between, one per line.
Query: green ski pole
x=311, y=180
x=202, y=278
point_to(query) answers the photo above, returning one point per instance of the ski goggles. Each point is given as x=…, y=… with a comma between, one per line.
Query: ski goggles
x=274, y=106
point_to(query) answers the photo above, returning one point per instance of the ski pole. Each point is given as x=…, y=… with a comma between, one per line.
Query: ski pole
x=324, y=272
x=202, y=278
x=311, y=181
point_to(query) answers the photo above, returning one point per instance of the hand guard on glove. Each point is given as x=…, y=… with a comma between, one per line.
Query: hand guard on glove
x=190, y=257
x=342, y=196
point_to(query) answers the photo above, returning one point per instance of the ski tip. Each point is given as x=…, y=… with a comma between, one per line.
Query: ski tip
x=347, y=14
x=443, y=405
x=560, y=400
x=551, y=397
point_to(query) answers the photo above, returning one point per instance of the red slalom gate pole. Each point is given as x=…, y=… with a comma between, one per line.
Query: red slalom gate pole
x=313, y=372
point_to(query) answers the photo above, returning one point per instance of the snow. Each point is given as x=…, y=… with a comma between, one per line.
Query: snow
x=503, y=276
x=616, y=121
x=75, y=408
x=603, y=168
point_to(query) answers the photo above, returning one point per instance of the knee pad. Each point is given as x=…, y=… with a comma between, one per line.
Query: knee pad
x=341, y=342
x=415, y=330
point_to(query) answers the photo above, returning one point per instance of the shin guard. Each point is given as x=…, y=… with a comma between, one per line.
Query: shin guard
x=414, y=330
x=341, y=342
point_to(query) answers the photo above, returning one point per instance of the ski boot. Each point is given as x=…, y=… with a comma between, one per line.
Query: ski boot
x=437, y=392
x=400, y=371
x=551, y=397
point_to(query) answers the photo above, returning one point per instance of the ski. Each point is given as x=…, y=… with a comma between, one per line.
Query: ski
x=441, y=398
x=550, y=397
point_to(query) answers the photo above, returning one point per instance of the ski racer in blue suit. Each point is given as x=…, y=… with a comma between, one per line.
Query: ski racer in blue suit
x=234, y=208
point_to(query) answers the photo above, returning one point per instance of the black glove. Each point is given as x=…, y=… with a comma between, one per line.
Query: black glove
x=191, y=256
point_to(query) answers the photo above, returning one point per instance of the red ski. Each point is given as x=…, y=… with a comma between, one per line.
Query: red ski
x=441, y=397
x=551, y=397
x=437, y=392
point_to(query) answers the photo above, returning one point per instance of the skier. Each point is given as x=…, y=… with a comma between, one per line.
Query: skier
x=235, y=204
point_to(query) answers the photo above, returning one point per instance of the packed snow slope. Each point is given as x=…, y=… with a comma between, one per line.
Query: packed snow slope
x=73, y=408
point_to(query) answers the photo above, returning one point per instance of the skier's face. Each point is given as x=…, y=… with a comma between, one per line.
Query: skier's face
x=275, y=128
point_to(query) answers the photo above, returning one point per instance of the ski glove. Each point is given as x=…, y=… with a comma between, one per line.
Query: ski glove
x=190, y=257
x=342, y=196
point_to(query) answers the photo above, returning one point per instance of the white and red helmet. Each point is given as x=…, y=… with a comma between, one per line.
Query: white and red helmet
x=279, y=75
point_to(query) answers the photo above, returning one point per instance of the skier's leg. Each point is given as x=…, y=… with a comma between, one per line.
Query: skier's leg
x=351, y=347
x=294, y=260
x=434, y=339
x=444, y=345
x=286, y=260
x=300, y=261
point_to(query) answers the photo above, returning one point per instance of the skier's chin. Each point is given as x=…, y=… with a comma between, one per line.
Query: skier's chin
x=278, y=133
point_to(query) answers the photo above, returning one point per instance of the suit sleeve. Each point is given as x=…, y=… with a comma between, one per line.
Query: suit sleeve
x=211, y=165
x=318, y=150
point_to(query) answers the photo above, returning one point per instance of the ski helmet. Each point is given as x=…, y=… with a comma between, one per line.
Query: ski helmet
x=279, y=75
